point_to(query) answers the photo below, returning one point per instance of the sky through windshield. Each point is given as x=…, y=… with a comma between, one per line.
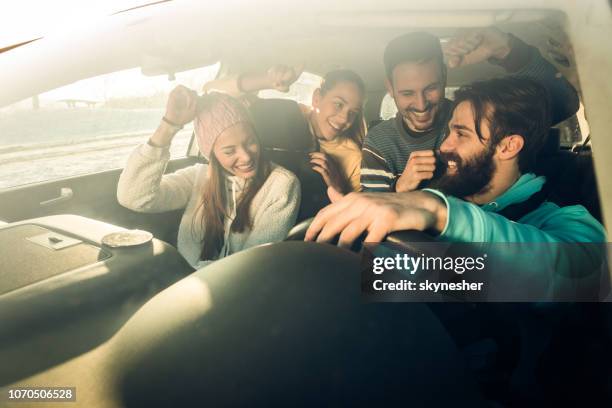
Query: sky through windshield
x=23, y=20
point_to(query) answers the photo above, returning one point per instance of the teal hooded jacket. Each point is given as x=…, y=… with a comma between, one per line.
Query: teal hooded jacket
x=467, y=222
x=559, y=249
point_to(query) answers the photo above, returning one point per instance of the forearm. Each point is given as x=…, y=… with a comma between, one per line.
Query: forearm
x=238, y=85
x=404, y=183
x=438, y=208
x=433, y=207
x=143, y=187
x=253, y=82
x=413, y=210
x=140, y=179
x=526, y=61
x=163, y=135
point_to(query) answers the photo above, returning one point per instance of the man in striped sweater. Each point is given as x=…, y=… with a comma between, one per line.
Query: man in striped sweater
x=398, y=154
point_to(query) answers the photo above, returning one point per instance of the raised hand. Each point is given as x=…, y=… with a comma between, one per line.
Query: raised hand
x=180, y=110
x=328, y=169
x=281, y=77
x=181, y=106
x=378, y=214
x=420, y=166
x=476, y=46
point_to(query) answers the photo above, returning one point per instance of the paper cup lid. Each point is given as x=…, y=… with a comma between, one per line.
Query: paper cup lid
x=127, y=238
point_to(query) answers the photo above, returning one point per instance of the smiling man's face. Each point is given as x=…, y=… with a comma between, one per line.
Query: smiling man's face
x=418, y=91
x=465, y=164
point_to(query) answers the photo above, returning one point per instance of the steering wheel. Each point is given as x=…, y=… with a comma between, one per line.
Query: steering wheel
x=409, y=241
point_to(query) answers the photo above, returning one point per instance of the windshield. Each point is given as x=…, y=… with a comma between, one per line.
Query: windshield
x=28, y=20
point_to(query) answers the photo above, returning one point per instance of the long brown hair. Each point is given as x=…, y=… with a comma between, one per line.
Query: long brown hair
x=358, y=129
x=213, y=201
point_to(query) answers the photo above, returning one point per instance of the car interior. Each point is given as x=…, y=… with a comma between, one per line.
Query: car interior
x=283, y=323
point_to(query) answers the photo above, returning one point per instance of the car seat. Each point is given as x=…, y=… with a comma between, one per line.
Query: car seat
x=286, y=140
x=570, y=175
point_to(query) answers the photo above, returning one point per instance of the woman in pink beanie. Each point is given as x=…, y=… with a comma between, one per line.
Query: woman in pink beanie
x=236, y=201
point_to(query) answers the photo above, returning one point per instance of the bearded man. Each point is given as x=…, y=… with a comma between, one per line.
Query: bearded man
x=398, y=154
x=496, y=129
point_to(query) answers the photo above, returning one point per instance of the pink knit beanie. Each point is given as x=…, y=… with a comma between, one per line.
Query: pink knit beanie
x=216, y=113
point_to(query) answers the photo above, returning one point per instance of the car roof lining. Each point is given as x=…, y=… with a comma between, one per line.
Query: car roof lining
x=319, y=37
x=13, y=46
x=346, y=47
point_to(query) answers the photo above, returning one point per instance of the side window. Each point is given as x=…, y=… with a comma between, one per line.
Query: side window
x=300, y=91
x=388, y=108
x=88, y=126
x=574, y=129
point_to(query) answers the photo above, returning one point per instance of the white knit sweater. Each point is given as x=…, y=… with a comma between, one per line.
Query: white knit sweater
x=143, y=187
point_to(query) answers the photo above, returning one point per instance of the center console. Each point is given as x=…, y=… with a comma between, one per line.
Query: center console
x=55, y=268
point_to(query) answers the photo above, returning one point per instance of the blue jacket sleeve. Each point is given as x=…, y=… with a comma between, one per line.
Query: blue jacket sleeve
x=550, y=241
x=467, y=222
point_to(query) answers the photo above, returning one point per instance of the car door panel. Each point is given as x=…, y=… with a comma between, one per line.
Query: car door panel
x=93, y=196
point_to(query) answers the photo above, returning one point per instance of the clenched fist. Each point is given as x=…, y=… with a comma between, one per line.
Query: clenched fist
x=280, y=77
x=180, y=110
x=476, y=46
x=181, y=106
x=420, y=166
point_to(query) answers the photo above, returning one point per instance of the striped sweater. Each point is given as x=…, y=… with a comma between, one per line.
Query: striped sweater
x=388, y=145
x=387, y=148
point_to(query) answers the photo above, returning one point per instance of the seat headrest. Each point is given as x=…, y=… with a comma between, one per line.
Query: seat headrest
x=552, y=144
x=280, y=124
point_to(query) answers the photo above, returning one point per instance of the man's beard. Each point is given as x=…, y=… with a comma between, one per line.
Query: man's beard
x=471, y=177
